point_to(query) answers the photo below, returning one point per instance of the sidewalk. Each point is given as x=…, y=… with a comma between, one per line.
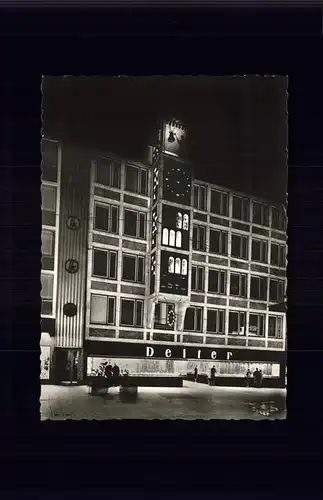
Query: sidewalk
x=193, y=401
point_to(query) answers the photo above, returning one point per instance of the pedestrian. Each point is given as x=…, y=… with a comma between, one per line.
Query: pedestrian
x=256, y=377
x=260, y=378
x=212, y=378
x=108, y=370
x=195, y=374
x=115, y=370
x=248, y=378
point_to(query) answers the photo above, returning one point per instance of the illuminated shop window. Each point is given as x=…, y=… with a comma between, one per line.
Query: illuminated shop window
x=177, y=265
x=184, y=267
x=185, y=222
x=165, y=236
x=178, y=239
x=172, y=238
x=171, y=265
x=179, y=219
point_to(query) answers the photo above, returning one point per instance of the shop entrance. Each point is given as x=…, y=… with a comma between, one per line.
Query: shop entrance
x=66, y=364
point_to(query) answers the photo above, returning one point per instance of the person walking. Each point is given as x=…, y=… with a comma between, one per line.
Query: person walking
x=248, y=378
x=260, y=378
x=212, y=378
x=115, y=370
x=195, y=374
x=256, y=377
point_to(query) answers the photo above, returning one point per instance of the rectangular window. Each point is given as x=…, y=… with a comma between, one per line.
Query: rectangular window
x=215, y=321
x=48, y=198
x=193, y=319
x=47, y=284
x=197, y=282
x=133, y=268
x=217, y=281
x=276, y=290
x=278, y=255
x=136, y=180
x=240, y=208
x=256, y=325
x=108, y=172
x=106, y=218
x=278, y=219
x=199, y=238
x=260, y=214
x=258, y=288
x=49, y=161
x=131, y=312
x=104, y=264
x=218, y=242
x=199, y=201
x=219, y=203
x=48, y=243
x=102, y=310
x=237, y=323
x=259, y=251
x=134, y=224
x=239, y=246
x=275, y=327
x=238, y=285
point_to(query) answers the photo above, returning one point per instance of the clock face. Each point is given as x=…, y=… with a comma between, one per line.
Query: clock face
x=177, y=186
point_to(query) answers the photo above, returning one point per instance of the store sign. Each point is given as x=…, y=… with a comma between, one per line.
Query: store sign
x=168, y=351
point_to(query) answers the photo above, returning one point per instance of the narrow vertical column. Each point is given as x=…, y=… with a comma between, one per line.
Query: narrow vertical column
x=228, y=273
x=119, y=264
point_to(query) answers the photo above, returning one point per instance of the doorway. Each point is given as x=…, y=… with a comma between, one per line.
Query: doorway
x=66, y=366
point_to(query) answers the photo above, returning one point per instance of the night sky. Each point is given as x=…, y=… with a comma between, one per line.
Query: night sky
x=237, y=127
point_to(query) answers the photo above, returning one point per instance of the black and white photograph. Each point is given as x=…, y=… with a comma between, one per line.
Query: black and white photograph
x=164, y=247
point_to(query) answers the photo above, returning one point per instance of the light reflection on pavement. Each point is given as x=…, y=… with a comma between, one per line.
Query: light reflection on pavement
x=193, y=401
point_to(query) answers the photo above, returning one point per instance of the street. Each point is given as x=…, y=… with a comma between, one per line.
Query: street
x=193, y=401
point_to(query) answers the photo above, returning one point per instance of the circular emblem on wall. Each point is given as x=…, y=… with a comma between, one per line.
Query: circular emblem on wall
x=171, y=318
x=71, y=266
x=73, y=222
x=70, y=310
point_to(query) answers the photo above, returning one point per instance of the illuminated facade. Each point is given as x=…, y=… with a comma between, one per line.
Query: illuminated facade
x=157, y=271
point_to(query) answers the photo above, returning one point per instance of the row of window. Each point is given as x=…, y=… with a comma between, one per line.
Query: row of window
x=177, y=266
x=240, y=208
x=218, y=243
x=108, y=173
x=237, y=323
x=238, y=284
x=105, y=266
x=107, y=219
x=103, y=312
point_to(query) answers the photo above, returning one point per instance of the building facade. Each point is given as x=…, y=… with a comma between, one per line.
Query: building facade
x=146, y=266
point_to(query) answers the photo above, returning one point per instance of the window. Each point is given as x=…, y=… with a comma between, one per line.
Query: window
x=276, y=290
x=239, y=246
x=184, y=267
x=47, y=283
x=237, y=322
x=106, y=218
x=258, y=288
x=49, y=160
x=193, y=319
x=219, y=203
x=260, y=251
x=136, y=180
x=108, y=172
x=238, y=285
x=217, y=281
x=172, y=238
x=178, y=239
x=165, y=236
x=179, y=220
x=240, y=208
x=133, y=268
x=278, y=255
x=197, y=280
x=178, y=267
x=256, y=325
x=199, y=197
x=48, y=241
x=218, y=242
x=131, y=312
x=48, y=198
x=199, y=238
x=134, y=223
x=278, y=219
x=171, y=265
x=275, y=327
x=102, y=310
x=162, y=312
x=186, y=222
x=215, y=321
x=104, y=264
x=260, y=214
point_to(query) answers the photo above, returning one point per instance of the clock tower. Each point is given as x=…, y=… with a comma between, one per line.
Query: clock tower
x=171, y=225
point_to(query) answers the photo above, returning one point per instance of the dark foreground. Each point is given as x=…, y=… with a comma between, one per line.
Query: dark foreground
x=193, y=401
